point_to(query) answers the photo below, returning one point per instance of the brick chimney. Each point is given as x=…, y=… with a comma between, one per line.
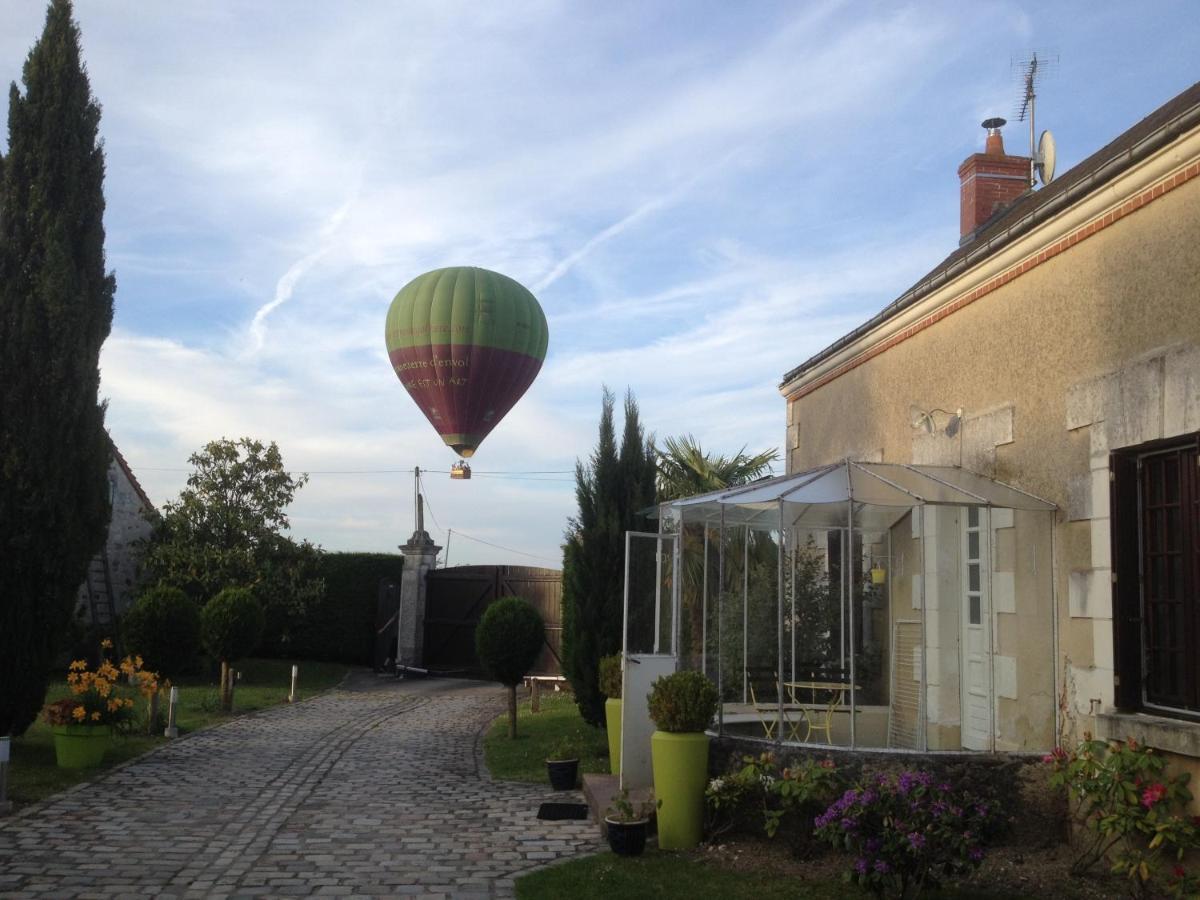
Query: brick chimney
x=990, y=181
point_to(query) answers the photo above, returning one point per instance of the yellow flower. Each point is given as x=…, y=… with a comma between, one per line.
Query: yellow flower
x=114, y=704
x=127, y=666
x=106, y=644
x=137, y=661
x=95, y=717
x=79, y=712
x=72, y=677
x=107, y=670
x=79, y=664
x=128, y=702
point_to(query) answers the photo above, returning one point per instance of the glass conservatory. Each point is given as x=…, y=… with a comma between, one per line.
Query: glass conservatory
x=857, y=605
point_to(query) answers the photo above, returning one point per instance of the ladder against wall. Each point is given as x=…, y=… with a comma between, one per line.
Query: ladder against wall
x=99, y=592
x=904, y=712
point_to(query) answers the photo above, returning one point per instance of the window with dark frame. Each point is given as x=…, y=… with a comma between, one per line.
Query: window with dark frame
x=1156, y=575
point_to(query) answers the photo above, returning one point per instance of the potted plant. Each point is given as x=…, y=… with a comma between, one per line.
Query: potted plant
x=682, y=705
x=82, y=724
x=611, y=684
x=563, y=762
x=627, y=824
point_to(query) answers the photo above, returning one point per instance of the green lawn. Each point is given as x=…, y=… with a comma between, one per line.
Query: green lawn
x=33, y=773
x=659, y=874
x=524, y=759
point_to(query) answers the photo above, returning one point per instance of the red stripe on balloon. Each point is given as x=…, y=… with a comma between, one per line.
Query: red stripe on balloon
x=464, y=388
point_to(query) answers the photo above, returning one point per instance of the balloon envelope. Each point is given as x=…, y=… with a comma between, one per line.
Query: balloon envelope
x=466, y=344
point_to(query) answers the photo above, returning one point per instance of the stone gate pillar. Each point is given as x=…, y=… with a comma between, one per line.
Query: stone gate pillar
x=420, y=554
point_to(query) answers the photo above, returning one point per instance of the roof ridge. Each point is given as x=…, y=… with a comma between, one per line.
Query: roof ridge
x=1024, y=211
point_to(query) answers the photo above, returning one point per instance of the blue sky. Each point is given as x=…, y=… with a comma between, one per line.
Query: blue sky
x=701, y=195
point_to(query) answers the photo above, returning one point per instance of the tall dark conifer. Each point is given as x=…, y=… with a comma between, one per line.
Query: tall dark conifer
x=612, y=491
x=56, y=302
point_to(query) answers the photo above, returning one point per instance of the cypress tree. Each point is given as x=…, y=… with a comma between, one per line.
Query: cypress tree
x=612, y=491
x=55, y=311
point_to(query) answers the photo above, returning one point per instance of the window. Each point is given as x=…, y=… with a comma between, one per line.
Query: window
x=1156, y=566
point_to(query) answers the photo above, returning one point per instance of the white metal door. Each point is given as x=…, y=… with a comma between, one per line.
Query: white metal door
x=976, y=644
x=649, y=643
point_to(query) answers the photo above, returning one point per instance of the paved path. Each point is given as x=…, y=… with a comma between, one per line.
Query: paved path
x=374, y=790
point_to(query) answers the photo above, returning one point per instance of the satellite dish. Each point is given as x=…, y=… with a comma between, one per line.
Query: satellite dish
x=1046, y=157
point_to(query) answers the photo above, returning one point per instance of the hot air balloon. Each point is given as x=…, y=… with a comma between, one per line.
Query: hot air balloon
x=466, y=344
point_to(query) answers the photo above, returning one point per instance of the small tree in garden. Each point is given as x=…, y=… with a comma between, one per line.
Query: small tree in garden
x=230, y=628
x=228, y=528
x=508, y=640
x=164, y=628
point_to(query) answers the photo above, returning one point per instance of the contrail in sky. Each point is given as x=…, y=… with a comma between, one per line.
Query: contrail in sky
x=287, y=284
x=650, y=206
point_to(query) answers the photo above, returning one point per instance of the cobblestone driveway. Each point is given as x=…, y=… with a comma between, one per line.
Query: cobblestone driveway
x=379, y=791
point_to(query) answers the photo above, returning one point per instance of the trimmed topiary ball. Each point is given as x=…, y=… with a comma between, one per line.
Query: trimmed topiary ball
x=231, y=624
x=610, y=676
x=163, y=627
x=508, y=639
x=683, y=702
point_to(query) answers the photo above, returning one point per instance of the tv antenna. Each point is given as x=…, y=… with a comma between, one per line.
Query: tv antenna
x=1032, y=67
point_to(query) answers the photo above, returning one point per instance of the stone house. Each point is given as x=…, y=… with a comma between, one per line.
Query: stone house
x=112, y=578
x=1057, y=350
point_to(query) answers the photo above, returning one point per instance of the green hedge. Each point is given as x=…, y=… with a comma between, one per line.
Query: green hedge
x=341, y=626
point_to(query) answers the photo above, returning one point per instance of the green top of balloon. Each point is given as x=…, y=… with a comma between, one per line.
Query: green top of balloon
x=467, y=305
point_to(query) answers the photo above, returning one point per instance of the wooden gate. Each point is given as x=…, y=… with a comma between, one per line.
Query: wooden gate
x=457, y=597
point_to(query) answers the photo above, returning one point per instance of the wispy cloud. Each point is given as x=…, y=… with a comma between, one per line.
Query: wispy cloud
x=699, y=196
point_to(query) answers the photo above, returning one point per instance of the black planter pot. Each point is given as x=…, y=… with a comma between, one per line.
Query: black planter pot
x=563, y=773
x=627, y=838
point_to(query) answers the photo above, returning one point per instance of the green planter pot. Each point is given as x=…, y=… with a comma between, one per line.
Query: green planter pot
x=80, y=746
x=612, y=721
x=680, y=776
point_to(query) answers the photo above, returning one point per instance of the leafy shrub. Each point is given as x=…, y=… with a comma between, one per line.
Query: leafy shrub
x=1123, y=795
x=163, y=626
x=907, y=832
x=759, y=795
x=610, y=676
x=683, y=702
x=231, y=624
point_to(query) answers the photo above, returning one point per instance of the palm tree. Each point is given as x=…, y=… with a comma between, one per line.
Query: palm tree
x=684, y=469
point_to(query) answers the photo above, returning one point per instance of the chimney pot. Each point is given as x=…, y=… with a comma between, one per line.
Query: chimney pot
x=989, y=181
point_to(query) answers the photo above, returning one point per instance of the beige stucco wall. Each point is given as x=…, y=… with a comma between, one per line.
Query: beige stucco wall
x=1094, y=348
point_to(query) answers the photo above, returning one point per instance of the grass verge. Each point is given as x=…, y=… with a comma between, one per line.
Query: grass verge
x=524, y=759
x=34, y=774
x=659, y=874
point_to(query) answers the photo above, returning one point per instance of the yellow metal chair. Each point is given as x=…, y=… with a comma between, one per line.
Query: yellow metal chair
x=768, y=714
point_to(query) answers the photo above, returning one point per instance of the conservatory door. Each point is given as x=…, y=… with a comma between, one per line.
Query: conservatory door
x=976, y=643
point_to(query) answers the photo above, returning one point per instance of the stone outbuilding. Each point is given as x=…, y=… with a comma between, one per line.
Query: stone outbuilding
x=112, y=578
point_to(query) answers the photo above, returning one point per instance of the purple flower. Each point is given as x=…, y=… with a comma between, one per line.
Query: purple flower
x=860, y=866
x=975, y=853
x=882, y=867
x=916, y=840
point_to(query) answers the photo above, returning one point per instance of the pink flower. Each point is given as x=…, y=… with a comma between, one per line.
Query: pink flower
x=1153, y=794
